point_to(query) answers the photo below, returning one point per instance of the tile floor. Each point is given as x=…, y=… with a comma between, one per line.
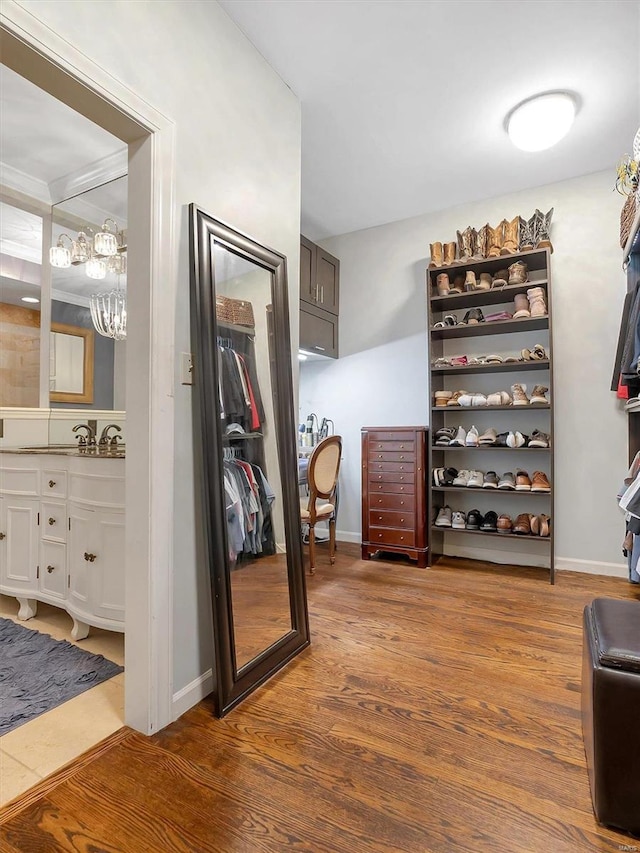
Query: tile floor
x=38, y=748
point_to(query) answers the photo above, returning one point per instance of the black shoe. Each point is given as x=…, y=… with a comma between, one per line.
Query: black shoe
x=490, y=522
x=447, y=476
x=501, y=439
x=474, y=519
x=473, y=316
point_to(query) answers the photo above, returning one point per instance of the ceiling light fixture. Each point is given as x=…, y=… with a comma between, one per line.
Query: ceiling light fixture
x=29, y=299
x=102, y=251
x=541, y=121
x=109, y=313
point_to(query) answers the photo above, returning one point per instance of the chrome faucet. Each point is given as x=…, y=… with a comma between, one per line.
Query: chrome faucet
x=105, y=438
x=85, y=441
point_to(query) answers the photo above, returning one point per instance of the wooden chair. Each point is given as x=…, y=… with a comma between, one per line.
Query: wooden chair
x=324, y=464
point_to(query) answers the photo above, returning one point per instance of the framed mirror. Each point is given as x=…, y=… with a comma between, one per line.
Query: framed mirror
x=245, y=436
x=71, y=366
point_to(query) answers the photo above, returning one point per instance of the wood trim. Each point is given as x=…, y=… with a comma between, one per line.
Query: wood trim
x=17, y=315
x=88, y=369
x=24, y=801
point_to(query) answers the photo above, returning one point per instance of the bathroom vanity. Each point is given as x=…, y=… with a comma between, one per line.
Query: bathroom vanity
x=62, y=523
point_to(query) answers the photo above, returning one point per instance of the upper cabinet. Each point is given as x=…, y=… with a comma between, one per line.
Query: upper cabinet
x=319, y=277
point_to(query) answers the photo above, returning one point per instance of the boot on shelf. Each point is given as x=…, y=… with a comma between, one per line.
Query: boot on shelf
x=449, y=254
x=467, y=243
x=482, y=241
x=521, y=310
x=442, y=284
x=527, y=233
x=436, y=255
x=537, y=301
x=495, y=241
x=470, y=282
x=518, y=273
x=543, y=229
x=511, y=231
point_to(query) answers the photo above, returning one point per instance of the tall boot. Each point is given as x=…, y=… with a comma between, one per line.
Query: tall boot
x=436, y=254
x=466, y=243
x=449, y=254
x=482, y=241
x=495, y=241
x=527, y=233
x=543, y=229
x=511, y=236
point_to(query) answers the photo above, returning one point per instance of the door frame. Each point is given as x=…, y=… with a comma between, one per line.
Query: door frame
x=35, y=51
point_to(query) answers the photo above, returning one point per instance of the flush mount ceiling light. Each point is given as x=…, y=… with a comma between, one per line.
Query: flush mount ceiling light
x=541, y=121
x=29, y=299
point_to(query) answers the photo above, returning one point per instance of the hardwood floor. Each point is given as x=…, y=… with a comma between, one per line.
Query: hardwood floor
x=436, y=711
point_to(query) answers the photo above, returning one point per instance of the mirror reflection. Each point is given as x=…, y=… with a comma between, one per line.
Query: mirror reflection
x=71, y=366
x=252, y=481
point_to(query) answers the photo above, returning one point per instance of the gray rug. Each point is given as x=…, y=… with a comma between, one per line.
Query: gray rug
x=38, y=673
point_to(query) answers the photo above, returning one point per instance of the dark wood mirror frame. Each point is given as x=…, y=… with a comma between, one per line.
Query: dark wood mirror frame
x=231, y=685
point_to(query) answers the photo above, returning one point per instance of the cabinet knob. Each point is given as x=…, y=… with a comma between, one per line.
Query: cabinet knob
x=89, y=557
x=402, y=456
x=402, y=521
x=3, y=536
x=402, y=447
x=52, y=483
x=402, y=478
x=401, y=503
x=379, y=455
x=52, y=520
x=50, y=569
x=402, y=538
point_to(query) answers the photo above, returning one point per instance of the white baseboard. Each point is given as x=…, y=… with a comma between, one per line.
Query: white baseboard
x=592, y=567
x=192, y=694
x=348, y=536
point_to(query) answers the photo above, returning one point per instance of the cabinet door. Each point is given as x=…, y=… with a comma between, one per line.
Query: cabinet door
x=79, y=548
x=53, y=569
x=327, y=280
x=307, y=270
x=19, y=547
x=318, y=331
x=107, y=572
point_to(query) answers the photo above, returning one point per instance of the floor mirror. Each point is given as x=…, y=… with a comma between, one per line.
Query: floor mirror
x=245, y=437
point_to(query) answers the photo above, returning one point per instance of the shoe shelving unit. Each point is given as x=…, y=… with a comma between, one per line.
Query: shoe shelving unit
x=505, y=338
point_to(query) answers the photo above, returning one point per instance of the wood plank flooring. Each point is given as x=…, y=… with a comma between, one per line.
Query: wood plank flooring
x=437, y=711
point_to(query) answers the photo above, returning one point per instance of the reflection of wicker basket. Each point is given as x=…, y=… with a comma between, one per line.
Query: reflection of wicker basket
x=234, y=311
x=626, y=218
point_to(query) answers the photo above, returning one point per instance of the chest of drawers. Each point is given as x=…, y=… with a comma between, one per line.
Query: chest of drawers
x=394, y=506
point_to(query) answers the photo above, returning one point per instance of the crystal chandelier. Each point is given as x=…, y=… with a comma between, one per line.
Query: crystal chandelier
x=109, y=313
x=102, y=251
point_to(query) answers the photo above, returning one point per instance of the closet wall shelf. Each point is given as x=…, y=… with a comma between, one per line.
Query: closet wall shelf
x=245, y=330
x=530, y=538
x=471, y=298
x=509, y=367
x=465, y=490
x=239, y=436
x=461, y=409
x=448, y=448
x=535, y=259
x=497, y=327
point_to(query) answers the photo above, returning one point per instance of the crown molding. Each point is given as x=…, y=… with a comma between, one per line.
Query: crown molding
x=70, y=298
x=90, y=176
x=26, y=184
x=13, y=249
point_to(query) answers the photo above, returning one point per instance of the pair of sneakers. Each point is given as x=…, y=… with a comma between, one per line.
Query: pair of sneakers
x=538, y=395
x=469, y=479
x=462, y=438
x=455, y=519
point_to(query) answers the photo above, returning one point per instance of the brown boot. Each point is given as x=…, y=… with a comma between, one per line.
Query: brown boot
x=467, y=243
x=458, y=284
x=511, y=236
x=543, y=229
x=527, y=233
x=495, y=241
x=436, y=255
x=518, y=273
x=519, y=392
x=521, y=307
x=482, y=241
x=538, y=395
x=485, y=281
x=449, y=254
x=537, y=301
x=442, y=284
x=470, y=281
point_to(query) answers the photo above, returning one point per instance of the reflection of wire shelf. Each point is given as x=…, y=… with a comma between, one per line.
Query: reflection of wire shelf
x=240, y=436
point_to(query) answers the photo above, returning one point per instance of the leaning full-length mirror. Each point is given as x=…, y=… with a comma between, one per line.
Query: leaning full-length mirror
x=245, y=431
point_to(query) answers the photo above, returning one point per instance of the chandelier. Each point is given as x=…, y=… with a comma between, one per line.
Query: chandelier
x=102, y=251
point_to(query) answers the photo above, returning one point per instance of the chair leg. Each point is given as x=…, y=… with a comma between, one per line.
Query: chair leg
x=312, y=549
x=332, y=540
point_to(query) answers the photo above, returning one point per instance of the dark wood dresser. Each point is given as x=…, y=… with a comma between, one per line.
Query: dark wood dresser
x=394, y=500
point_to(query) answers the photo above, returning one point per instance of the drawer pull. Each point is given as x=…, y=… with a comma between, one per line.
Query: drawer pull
x=402, y=478
x=379, y=476
x=402, y=521
x=402, y=467
x=402, y=447
x=379, y=455
x=402, y=488
x=402, y=456
x=401, y=503
x=3, y=536
x=50, y=569
x=379, y=535
x=402, y=538
x=89, y=557
x=52, y=483
x=52, y=521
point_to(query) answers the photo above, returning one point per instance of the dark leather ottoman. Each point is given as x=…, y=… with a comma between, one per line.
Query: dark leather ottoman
x=611, y=710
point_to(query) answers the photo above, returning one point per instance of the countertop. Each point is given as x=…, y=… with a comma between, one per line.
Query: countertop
x=65, y=450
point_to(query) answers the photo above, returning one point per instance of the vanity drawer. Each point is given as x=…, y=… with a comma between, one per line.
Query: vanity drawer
x=19, y=481
x=392, y=536
x=53, y=569
x=392, y=477
x=377, y=466
x=53, y=521
x=403, y=440
x=391, y=456
x=397, y=488
x=404, y=503
x=54, y=483
x=404, y=520
x=98, y=489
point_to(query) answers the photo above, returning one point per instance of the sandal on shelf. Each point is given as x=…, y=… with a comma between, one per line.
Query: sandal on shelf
x=494, y=359
x=442, y=362
x=539, y=352
x=450, y=320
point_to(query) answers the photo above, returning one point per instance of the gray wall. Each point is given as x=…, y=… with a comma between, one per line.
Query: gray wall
x=381, y=377
x=77, y=315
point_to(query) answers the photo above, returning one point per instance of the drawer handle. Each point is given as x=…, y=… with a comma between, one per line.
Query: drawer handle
x=52, y=483
x=3, y=536
x=52, y=521
x=402, y=538
x=402, y=456
x=402, y=521
x=379, y=535
x=379, y=476
x=402, y=467
x=89, y=557
x=402, y=447
x=379, y=455
x=402, y=478
x=401, y=488
x=379, y=518
x=401, y=503
x=50, y=569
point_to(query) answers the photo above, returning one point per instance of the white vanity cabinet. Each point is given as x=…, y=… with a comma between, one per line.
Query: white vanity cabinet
x=62, y=536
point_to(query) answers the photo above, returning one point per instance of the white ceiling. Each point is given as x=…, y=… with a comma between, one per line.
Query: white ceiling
x=403, y=102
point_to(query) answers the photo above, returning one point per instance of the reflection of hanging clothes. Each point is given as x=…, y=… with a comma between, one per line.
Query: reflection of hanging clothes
x=238, y=391
x=625, y=371
x=249, y=499
x=629, y=497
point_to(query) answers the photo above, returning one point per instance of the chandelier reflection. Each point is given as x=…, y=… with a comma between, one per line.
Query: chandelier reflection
x=109, y=313
x=102, y=251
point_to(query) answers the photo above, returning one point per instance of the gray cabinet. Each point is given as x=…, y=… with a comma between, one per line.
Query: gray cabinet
x=319, y=299
x=318, y=331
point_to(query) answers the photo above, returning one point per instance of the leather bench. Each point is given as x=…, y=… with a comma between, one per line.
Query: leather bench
x=611, y=710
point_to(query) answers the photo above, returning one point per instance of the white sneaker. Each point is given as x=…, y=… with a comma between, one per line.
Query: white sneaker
x=460, y=438
x=475, y=480
x=465, y=399
x=515, y=439
x=459, y=520
x=478, y=400
x=444, y=517
x=472, y=437
x=462, y=479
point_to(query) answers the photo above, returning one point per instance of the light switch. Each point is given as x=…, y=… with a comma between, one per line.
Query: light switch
x=186, y=368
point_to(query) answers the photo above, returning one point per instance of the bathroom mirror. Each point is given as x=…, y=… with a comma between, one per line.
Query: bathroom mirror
x=245, y=444
x=71, y=364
